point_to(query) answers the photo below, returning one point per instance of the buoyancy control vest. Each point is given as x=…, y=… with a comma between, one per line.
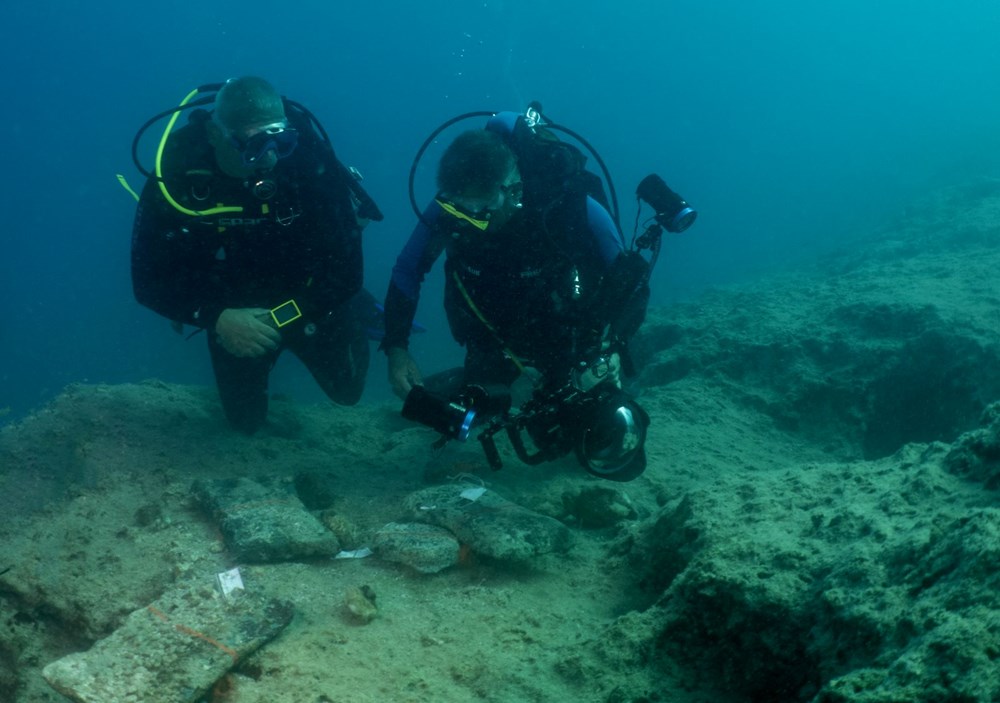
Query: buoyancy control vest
x=190, y=175
x=311, y=134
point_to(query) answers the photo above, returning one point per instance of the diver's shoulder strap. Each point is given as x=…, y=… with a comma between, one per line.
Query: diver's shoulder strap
x=188, y=148
x=364, y=205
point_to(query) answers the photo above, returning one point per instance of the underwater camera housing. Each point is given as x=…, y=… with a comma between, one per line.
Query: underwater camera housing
x=672, y=211
x=604, y=427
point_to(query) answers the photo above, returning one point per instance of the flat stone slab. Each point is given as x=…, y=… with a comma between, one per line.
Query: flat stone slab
x=426, y=548
x=172, y=651
x=488, y=523
x=264, y=522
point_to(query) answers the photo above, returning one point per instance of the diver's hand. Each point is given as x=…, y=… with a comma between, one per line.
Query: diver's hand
x=404, y=373
x=245, y=332
x=607, y=368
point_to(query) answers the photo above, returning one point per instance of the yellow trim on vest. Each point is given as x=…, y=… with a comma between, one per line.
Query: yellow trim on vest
x=159, y=169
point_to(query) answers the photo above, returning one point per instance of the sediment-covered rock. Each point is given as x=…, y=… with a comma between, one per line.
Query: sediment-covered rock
x=264, y=520
x=171, y=651
x=426, y=548
x=488, y=523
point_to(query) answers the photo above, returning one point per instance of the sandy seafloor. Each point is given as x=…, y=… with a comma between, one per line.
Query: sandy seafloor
x=818, y=521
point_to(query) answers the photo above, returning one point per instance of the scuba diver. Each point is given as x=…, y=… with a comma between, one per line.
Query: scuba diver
x=249, y=227
x=537, y=275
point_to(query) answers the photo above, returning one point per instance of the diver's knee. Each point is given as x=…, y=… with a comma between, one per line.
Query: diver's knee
x=346, y=396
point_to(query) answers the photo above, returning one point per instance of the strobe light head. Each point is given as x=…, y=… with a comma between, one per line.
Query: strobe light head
x=672, y=211
x=451, y=417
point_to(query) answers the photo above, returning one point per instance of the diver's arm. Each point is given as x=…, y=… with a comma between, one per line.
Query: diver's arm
x=169, y=273
x=417, y=257
x=404, y=373
x=400, y=310
x=333, y=265
x=335, y=276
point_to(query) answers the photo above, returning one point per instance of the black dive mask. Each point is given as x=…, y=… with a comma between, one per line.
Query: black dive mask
x=276, y=137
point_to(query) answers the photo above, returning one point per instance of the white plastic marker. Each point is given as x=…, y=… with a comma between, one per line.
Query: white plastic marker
x=229, y=581
x=473, y=494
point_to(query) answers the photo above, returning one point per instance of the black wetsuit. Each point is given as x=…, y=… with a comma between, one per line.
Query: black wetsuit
x=527, y=291
x=296, y=238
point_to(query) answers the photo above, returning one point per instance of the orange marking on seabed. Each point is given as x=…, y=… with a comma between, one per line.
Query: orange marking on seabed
x=465, y=554
x=215, y=643
x=158, y=613
x=194, y=633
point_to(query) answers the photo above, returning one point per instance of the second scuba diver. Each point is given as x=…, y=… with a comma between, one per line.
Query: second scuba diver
x=250, y=228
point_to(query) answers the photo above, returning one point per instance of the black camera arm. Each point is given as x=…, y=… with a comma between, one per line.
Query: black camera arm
x=542, y=409
x=490, y=444
x=514, y=426
x=651, y=239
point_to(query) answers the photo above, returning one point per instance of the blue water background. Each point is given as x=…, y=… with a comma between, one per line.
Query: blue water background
x=791, y=126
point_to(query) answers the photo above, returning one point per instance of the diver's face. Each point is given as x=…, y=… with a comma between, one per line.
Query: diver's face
x=262, y=144
x=498, y=206
x=509, y=192
x=255, y=147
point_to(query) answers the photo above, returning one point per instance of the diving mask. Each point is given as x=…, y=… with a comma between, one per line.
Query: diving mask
x=509, y=196
x=277, y=137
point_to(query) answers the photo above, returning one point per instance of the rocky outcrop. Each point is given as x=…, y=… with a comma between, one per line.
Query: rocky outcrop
x=868, y=578
x=861, y=360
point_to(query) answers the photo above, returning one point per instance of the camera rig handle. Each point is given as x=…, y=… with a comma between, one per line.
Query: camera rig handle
x=514, y=426
x=490, y=446
x=541, y=416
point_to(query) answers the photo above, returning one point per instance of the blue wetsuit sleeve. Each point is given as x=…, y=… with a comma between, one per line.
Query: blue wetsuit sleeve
x=411, y=264
x=417, y=257
x=606, y=237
